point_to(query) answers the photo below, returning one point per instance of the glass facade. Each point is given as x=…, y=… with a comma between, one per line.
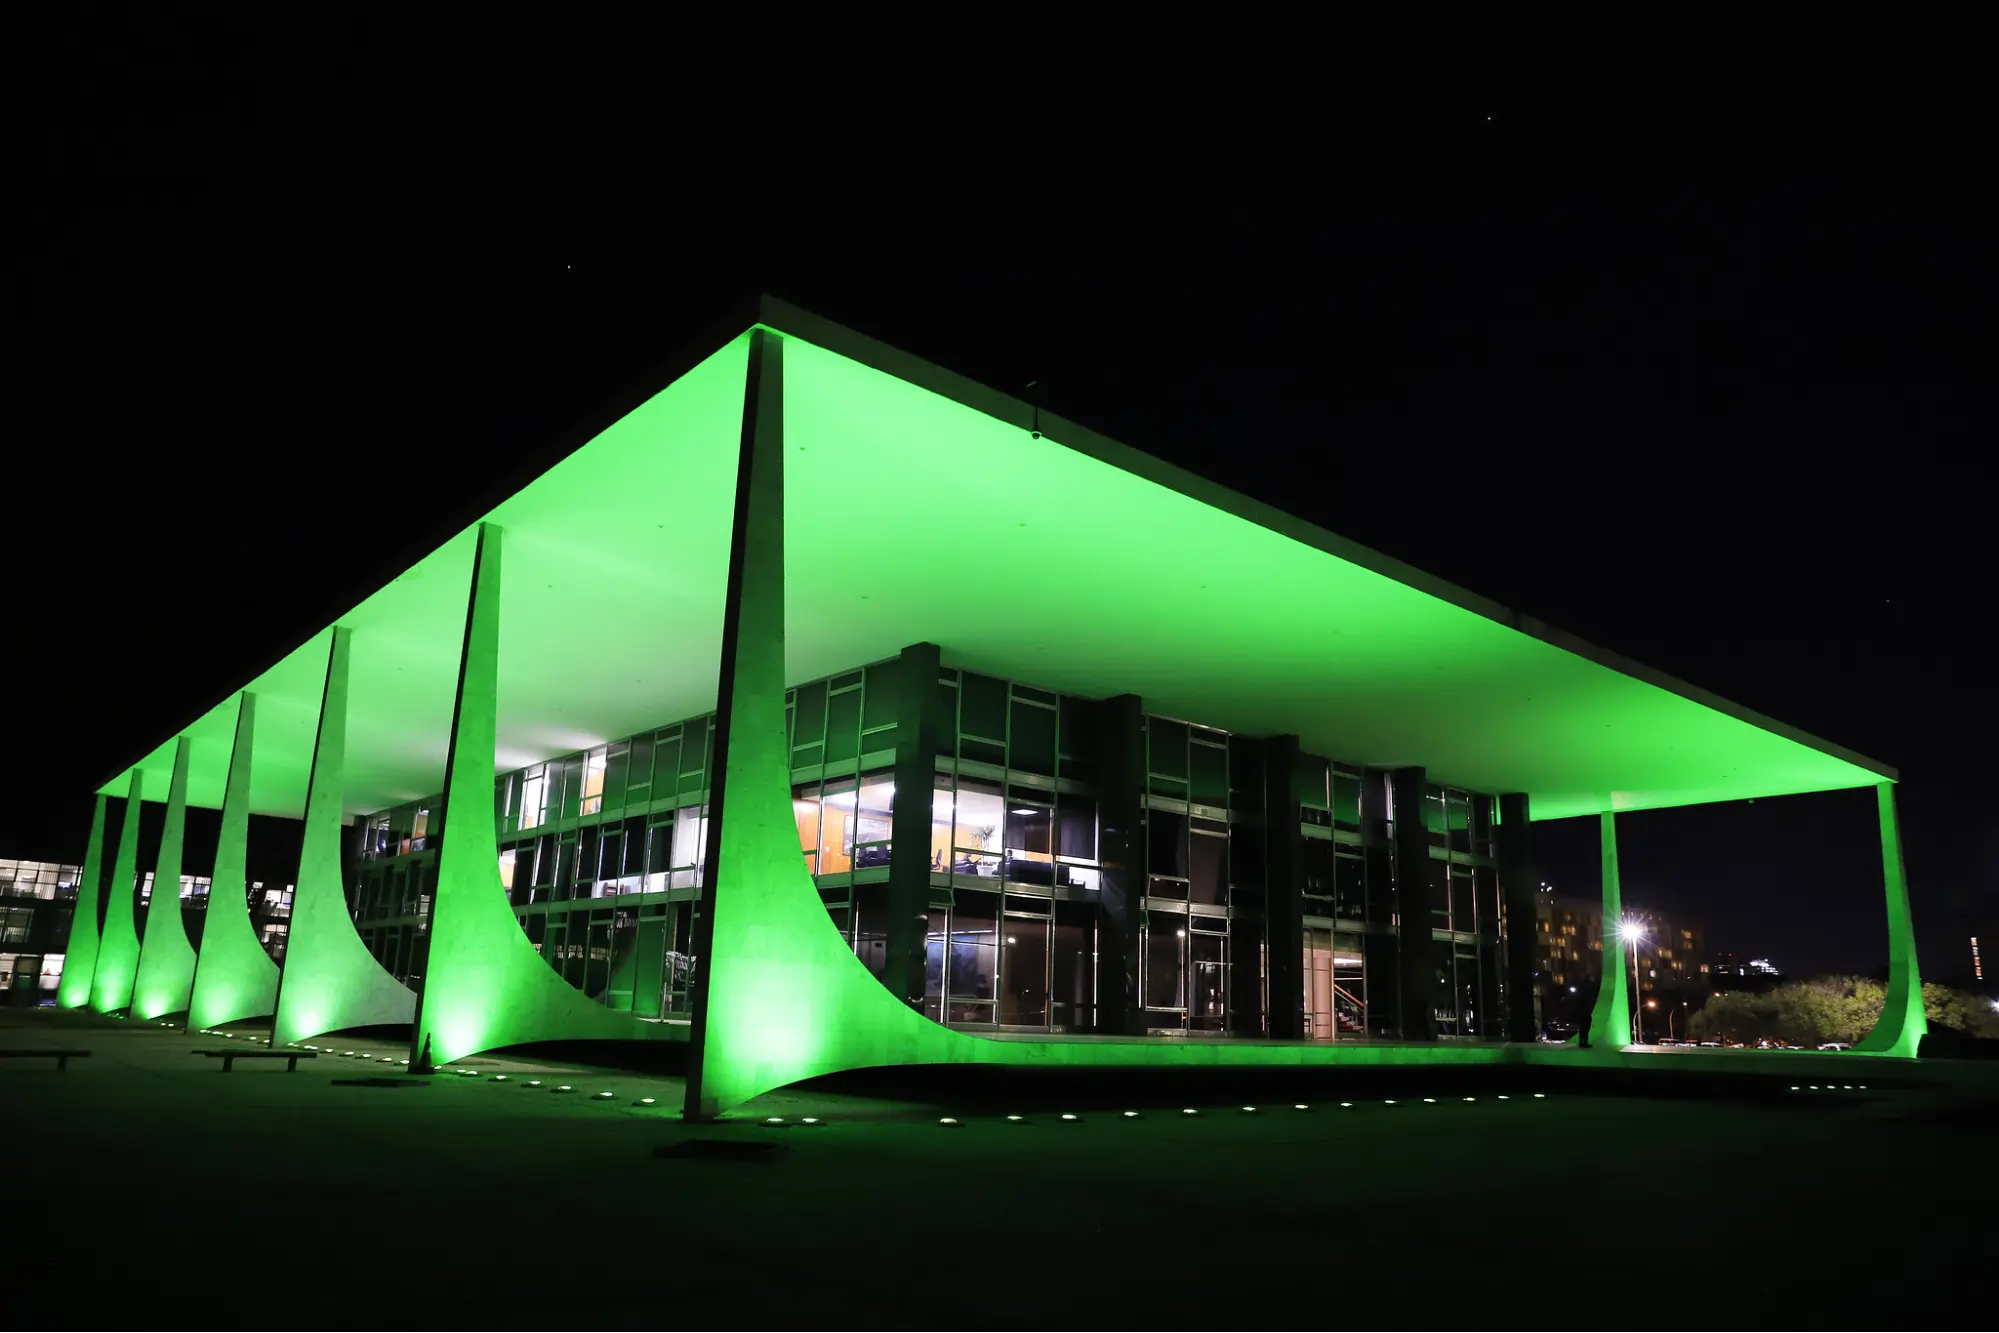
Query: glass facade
x=600, y=853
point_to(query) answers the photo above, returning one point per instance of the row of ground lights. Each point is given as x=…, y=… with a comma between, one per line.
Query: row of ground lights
x=951, y=1122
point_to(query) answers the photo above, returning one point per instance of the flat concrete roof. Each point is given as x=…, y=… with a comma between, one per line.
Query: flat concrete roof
x=921, y=506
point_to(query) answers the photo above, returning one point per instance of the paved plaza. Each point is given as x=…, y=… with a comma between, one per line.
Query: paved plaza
x=150, y=1189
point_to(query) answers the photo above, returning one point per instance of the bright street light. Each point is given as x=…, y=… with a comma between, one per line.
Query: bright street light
x=1634, y=930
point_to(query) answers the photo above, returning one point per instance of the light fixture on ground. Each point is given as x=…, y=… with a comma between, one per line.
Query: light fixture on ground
x=645, y=1101
x=1069, y=1115
x=565, y=1088
x=949, y=1122
x=605, y=1096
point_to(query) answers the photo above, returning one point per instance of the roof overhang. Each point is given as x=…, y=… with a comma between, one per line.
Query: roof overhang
x=923, y=507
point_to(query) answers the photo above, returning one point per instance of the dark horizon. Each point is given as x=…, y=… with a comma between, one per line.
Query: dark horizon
x=1695, y=382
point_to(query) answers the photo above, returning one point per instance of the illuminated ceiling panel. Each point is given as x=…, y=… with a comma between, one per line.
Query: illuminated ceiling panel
x=922, y=507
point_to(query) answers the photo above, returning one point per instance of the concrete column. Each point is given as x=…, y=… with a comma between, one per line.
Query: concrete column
x=330, y=979
x=1121, y=853
x=1416, y=967
x=1518, y=886
x=79, y=965
x=917, y=730
x=1610, y=1021
x=484, y=985
x=1900, y=1029
x=778, y=993
x=118, y=946
x=234, y=977
x=166, y=960
x=1284, y=879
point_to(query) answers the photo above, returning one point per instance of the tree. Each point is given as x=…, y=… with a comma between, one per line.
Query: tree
x=1837, y=1008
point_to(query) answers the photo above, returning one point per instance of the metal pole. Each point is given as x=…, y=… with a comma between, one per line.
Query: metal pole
x=1637, y=992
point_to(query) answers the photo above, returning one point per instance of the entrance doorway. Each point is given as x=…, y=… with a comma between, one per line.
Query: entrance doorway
x=1335, y=986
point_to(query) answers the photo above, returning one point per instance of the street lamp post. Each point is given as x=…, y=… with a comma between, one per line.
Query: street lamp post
x=1635, y=932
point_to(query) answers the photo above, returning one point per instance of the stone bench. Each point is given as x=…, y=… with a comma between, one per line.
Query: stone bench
x=229, y=1058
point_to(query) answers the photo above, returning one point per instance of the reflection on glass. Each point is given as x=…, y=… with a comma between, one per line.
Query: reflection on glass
x=836, y=828
x=980, y=821
x=873, y=814
x=1024, y=986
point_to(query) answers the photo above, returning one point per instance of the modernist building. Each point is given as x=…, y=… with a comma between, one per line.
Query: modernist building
x=823, y=709
x=38, y=905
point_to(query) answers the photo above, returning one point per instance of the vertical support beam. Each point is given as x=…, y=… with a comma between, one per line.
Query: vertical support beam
x=1416, y=967
x=118, y=947
x=1518, y=885
x=484, y=985
x=778, y=994
x=917, y=730
x=1284, y=877
x=166, y=960
x=1121, y=850
x=1610, y=1021
x=752, y=672
x=330, y=979
x=79, y=965
x=234, y=977
x=1900, y=1029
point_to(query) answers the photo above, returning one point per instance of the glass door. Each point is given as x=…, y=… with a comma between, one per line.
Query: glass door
x=1024, y=971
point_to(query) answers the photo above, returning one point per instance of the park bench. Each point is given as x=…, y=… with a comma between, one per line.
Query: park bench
x=61, y=1055
x=229, y=1058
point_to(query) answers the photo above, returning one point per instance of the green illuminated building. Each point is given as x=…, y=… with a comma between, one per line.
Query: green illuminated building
x=632, y=757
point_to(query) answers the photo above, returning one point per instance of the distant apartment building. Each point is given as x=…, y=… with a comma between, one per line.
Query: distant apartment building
x=1671, y=954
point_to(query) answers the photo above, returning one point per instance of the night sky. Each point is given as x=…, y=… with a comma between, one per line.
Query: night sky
x=1699, y=372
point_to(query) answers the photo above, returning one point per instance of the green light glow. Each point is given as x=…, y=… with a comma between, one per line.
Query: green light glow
x=80, y=963
x=166, y=960
x=331, y=982
x=1365, y=659
x=234, y=978
x=1610, y=1021
x=118, y=947
x=785, y=998
x=1900, y=1029
x=484, y=984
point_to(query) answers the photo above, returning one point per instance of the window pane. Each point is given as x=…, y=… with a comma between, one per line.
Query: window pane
x=809, y=725
x=1076, y=826
x=1166, y=747
x=1207, y=877
x=983, y=706
x=940, y=825
x=872, y=819
x=974, y=946
x=1031, y=747
x=981, y=819
x=1207, y=982
x=843, y=726
x=1165, y=952
x=1208, y=778
x=836, y=828
x=1166, y=843
x=805, y=810
x=878, y=703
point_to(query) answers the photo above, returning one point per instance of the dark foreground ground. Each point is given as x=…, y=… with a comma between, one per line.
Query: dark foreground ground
x=146, y=1189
